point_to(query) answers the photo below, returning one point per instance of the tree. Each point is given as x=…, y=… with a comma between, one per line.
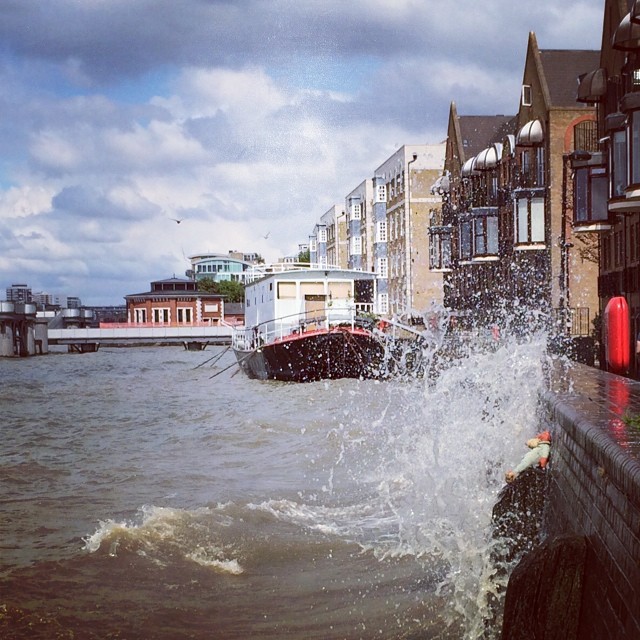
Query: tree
x=207, y=284
x=304, y=256
x=233, y=290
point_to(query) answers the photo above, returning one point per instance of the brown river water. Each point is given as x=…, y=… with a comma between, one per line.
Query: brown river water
x=143, y=496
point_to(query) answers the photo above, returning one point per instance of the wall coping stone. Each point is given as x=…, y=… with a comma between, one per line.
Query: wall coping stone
x=591, y=405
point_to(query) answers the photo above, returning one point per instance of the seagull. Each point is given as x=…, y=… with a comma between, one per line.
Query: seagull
x=267, y=236
x=177, y=221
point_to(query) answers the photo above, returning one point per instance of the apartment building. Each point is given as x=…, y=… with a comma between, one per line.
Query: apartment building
x=379, y=251
x=608, y=173
x=359, y=210
x=232, y=266
x=465, y=237
x=405, y=180
x=318, y=244
x=335, y=223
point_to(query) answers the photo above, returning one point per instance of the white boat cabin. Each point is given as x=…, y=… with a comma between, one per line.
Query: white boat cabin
x=298, y=300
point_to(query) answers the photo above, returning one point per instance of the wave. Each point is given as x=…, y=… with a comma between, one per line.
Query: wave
x=163, y=534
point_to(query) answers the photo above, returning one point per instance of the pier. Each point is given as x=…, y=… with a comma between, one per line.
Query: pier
x=22, y=333
x=123, y=335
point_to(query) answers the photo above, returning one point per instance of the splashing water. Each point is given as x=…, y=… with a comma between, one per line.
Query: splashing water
x=428, y=458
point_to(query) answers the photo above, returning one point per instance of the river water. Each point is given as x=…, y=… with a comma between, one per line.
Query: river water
x=149, y=493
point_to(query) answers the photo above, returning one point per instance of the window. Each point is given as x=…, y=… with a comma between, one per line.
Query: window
x=161, y=315
x=526, y=95
x=184, y=315
x=141, y=316
x=485, y=236
x=618, y=164
x=383, y=267
x=440, y=248
x=532, y=167
x=585, y=136
x=356, y=245
x=381, y=231
x=465, y=240
x=383, y=303
x=322, y=235
x=540, y=167
x=634, y=147
x=381, y=193
x=356, y=211
x=529, y=220
x=590, y=194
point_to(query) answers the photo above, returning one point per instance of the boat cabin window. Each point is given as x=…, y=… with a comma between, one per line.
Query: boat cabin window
x=286, y=290
x=311, y=288
x=340, y=290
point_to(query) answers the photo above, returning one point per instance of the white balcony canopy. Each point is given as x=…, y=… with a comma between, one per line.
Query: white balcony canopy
x=468, y=168
x=488, y=158
x=531, y=134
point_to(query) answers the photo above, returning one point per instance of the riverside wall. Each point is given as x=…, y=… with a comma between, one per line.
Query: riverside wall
x=594, y=492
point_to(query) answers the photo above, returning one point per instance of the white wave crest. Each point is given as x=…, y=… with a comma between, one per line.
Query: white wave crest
x=165, y=532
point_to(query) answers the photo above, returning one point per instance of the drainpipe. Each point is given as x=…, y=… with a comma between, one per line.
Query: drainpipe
x=409, y=243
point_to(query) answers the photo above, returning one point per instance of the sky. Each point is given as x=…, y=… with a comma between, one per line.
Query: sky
x=246, y=120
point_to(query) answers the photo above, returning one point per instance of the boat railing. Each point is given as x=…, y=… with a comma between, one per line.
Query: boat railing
x=249, y=338
x=258, y=271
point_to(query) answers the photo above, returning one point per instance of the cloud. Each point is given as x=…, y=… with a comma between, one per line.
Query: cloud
x=239, y=117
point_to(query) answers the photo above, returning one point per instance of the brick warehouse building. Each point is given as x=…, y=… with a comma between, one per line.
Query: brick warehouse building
x=175, y=301
x=505, y=206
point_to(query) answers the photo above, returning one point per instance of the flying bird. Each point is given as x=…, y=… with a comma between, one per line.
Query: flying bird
x=267, y=236
x=177, y=221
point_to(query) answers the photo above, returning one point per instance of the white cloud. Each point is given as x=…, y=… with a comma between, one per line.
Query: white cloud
x=239, y=118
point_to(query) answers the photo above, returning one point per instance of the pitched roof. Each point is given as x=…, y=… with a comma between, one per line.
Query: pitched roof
x=479, y=132
x=562, y=69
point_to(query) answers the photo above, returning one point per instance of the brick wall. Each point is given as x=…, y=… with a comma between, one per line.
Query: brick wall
x=595, y=492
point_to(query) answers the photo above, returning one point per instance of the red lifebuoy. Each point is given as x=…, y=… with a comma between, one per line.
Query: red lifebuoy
x=617, y=336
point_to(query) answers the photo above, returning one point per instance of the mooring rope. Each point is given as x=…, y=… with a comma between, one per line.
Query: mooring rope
x=216, y=356
x=233, y=364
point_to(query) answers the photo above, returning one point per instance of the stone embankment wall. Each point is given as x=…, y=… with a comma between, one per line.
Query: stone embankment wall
x=594, y=492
